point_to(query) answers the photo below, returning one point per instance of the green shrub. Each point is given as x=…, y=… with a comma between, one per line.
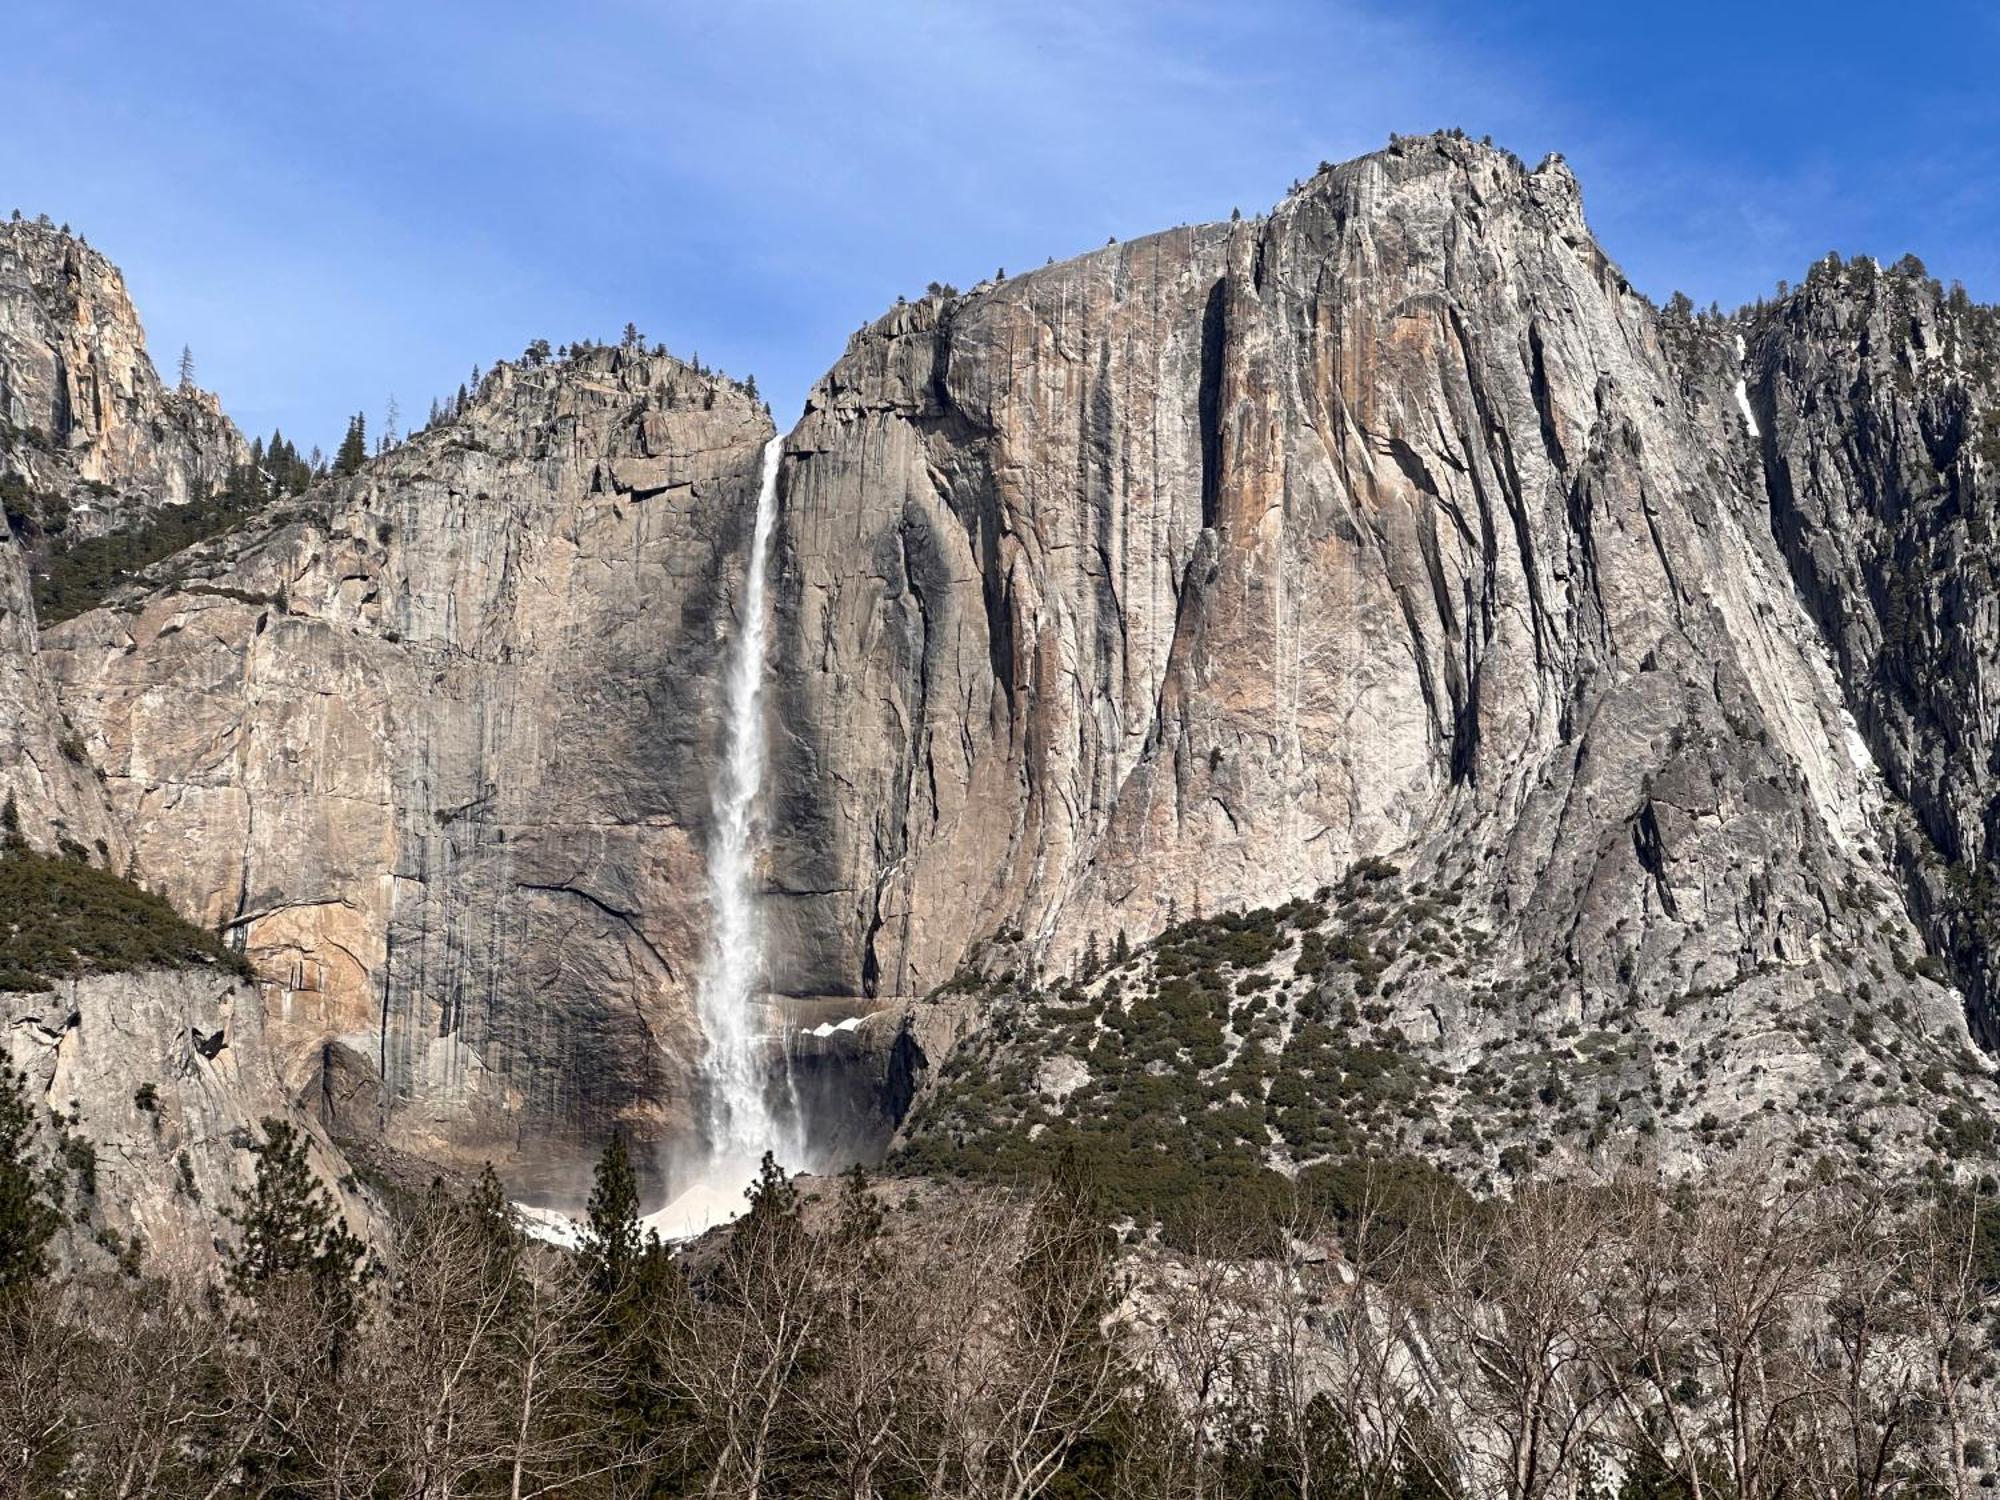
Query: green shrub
x=81, y=1157
x=1389, y=1194
x=78, y=577
x=61, y=917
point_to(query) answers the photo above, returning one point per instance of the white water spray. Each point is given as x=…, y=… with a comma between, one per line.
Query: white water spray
x=741, y=1119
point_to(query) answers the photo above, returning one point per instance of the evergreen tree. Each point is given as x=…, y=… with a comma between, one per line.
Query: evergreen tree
x=187, y=368
x=353, y=451
x=612, y=1244
x=27, y=1220
x=489, y=1205
x=859, y=1222
x=627, y=1266
x=289, y=474
x=774, y=1201
x=641, y=1303
x=297, y=1272
x=764, y=1244
x=1069, y=1245
x=1066, y=1292
x=290, y=1226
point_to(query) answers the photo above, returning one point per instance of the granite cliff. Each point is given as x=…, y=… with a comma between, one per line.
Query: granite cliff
x=431, y=746
x=151, y=1083
x=1599, y=693
x=89, y=439
x=1185, y=576
x=1877, y=398
x=94, y=438
x=154, y=1087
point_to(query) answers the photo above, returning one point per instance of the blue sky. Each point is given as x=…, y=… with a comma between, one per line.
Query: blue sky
x=332, y=203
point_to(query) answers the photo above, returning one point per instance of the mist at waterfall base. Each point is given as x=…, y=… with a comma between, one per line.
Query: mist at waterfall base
x=747, y=1107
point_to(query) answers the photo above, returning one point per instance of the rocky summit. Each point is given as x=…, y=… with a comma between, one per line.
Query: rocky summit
x=1364, y=664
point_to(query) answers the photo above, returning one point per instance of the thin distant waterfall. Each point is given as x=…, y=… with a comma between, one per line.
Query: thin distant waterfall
x=743, y=1122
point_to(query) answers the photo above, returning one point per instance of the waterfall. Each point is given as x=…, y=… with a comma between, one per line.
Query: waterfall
x=742, y=1121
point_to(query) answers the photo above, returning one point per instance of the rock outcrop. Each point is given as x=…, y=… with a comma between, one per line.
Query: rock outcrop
x=44, y=774
x=89, y=439
x=433, y=746
x=1877, y=398
x=159, y=1084
x=156, y=1080
x=86, y=424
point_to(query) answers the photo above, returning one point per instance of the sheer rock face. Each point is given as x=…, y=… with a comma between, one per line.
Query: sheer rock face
x=83, y=410
x=168, y=1077
x=1179, y=577
x=1878, y=399
x=42, y=775
x=434, y=745
x=89, y=439
x=989, y=511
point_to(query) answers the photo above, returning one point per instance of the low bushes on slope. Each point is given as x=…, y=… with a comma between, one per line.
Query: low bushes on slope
x=1193, y=1081
x=78, y=577
x=61, y=917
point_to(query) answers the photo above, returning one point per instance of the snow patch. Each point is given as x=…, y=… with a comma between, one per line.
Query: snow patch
x=828, y=1028
x=714, y=1200
x=549, y=1225
x=700, y=1208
